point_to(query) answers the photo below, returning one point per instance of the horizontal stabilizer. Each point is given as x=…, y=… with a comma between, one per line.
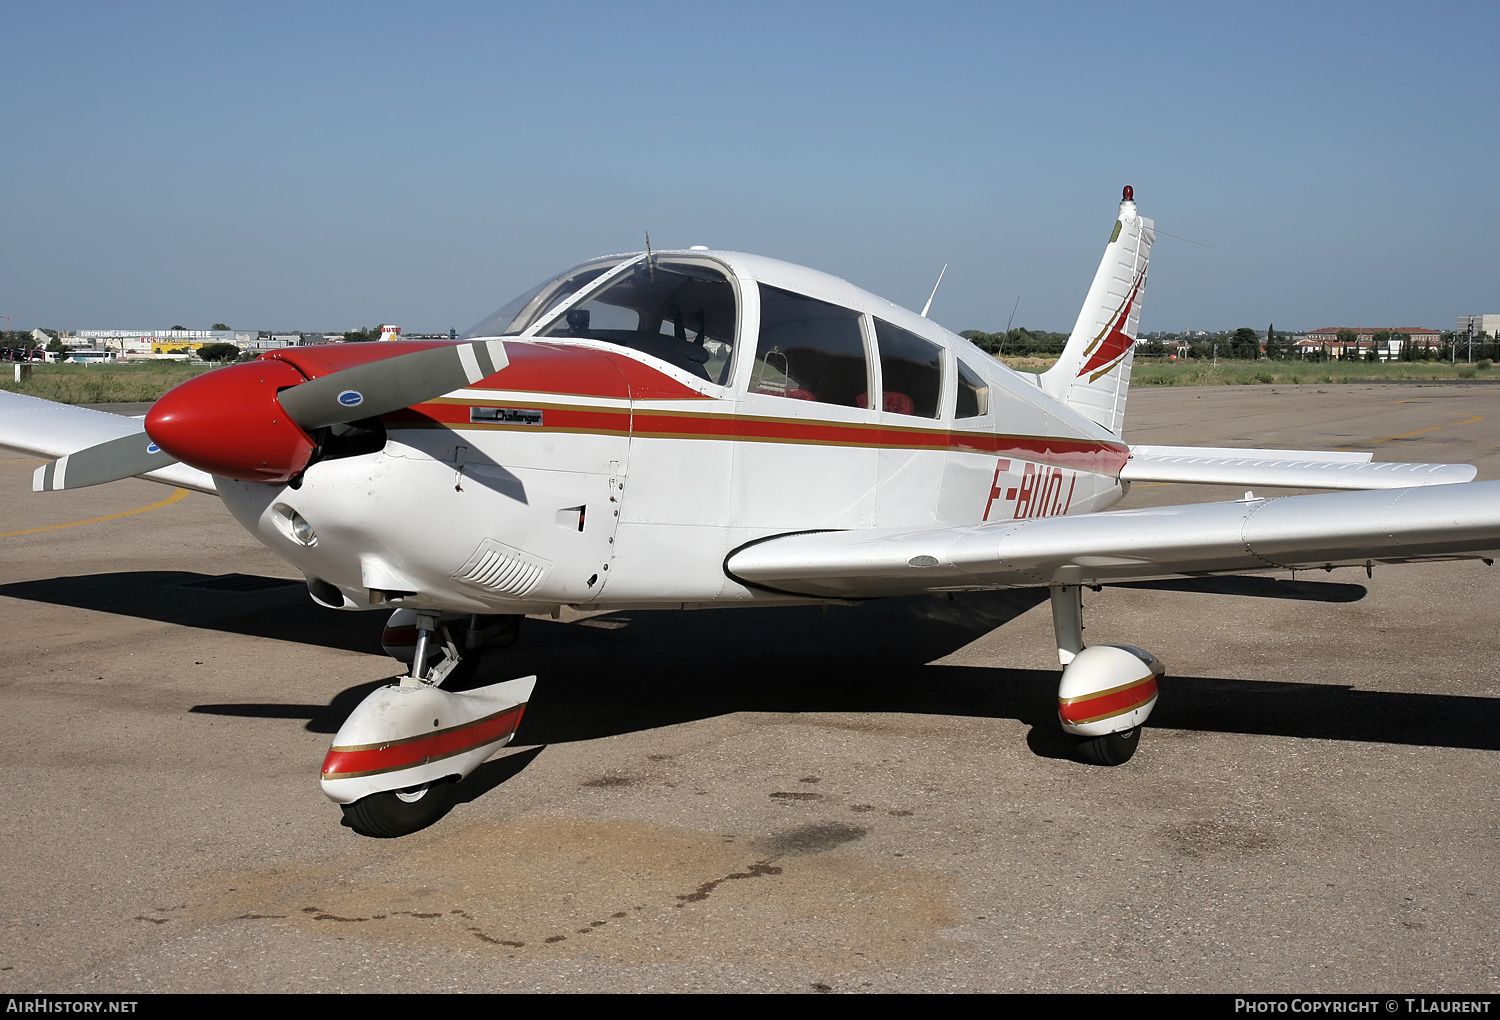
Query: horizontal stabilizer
x=1299, y=469
x=1298, y=532
x=1328, y=456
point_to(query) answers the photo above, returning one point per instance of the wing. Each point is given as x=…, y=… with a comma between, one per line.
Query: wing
x=1298, y=532
x=1298, y=469
x=54, y=430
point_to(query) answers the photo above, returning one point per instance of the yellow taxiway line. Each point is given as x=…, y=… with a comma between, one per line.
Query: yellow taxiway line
x=176, y=495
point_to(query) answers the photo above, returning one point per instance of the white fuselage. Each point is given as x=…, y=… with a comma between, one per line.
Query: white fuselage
x=586, y=474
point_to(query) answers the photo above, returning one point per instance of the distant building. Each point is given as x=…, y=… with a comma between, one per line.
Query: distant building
x=256, y=342
x=1475, y=325
x=1364, y=340
x=145, y=341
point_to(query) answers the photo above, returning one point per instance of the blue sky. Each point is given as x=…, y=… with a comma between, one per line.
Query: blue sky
x=325, y=166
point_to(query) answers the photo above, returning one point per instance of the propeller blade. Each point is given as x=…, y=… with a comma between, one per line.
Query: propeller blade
x=110, y=461
x=379, y=387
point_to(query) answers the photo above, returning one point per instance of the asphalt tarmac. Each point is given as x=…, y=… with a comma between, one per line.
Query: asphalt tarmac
x=871, y=798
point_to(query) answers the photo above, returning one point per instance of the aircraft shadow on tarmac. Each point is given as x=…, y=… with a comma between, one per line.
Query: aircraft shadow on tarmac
x=624, y=672
x=269, y=607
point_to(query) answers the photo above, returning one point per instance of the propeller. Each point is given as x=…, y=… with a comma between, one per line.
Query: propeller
x=252, y=421
x=129, y=455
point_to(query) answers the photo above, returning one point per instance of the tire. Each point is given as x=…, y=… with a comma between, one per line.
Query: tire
x=398, y=813
x=1110, y=749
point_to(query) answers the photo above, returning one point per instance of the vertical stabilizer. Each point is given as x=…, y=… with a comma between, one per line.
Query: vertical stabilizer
x=1093, y=374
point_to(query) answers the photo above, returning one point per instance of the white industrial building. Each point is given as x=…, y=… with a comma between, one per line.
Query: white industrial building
x=1478, y=325
x=144, y=341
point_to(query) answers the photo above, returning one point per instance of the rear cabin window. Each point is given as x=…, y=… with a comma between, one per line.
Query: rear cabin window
x=809, y=350
x=681, y=312
x=911, y=371
x=973, y=393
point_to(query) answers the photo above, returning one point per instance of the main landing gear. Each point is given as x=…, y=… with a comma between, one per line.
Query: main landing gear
x=396, y=759
x=1106, y=692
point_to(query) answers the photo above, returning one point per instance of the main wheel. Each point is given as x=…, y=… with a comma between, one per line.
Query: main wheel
x=398, y=812
x=1110, y=749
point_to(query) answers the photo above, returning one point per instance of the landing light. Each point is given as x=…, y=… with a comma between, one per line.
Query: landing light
x=295, y=525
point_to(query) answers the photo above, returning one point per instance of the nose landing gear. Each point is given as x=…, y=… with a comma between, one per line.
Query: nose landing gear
x=393, y=763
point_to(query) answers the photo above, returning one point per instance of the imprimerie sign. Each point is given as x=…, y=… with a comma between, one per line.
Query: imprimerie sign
x=506, y=415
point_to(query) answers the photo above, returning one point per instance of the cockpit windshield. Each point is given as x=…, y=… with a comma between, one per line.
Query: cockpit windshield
x=681, y=310
x=520, y=314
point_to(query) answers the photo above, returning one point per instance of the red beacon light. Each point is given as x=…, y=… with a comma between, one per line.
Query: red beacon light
x=1129, y=195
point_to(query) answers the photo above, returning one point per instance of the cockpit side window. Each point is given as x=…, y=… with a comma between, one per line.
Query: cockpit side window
x=911, y=371
x=683, y=312
x=809, y=350
x=973, y=393
x=519, y=315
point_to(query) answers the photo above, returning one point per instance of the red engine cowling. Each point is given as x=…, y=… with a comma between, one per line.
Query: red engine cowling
x=229, y=423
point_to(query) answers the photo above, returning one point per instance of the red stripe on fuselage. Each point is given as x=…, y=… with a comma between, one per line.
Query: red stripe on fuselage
x=1078, y=454
x=346, y=763
x=606, y=420
x=584, y=372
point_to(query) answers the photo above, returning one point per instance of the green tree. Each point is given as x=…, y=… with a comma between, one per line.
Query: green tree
x=218, y=325
x=218, y=352
x=1245, y=344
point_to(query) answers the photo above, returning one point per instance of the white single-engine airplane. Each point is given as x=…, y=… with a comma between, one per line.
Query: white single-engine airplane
x=703, y=428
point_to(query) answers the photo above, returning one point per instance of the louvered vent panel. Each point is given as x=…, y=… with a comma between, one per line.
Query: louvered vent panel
x=499, y=568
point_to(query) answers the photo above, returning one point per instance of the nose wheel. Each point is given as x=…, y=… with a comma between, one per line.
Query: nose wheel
x=395, y=813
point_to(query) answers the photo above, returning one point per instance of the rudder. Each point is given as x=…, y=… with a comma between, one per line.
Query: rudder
x=1093, y=374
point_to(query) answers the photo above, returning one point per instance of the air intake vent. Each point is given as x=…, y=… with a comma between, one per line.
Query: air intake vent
x=499, y=568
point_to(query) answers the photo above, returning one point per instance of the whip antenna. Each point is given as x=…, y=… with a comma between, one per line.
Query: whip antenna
x=935, y=286
x=1006, y=335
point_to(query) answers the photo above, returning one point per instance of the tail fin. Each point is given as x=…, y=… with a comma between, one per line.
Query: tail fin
x=1093, y=374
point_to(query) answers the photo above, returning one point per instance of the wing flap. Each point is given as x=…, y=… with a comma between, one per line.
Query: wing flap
x=1299, y=469
x=1297, y=532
